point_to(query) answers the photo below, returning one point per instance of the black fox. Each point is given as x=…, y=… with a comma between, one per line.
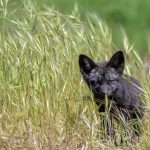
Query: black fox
x=107, y=79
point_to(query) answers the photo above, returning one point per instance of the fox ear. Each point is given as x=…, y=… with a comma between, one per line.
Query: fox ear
x=86, y=64
x=117, y=61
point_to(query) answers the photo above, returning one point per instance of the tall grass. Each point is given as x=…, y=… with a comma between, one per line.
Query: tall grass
x=41, y=89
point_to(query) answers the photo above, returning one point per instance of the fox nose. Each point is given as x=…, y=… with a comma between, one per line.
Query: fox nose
x=105, y=92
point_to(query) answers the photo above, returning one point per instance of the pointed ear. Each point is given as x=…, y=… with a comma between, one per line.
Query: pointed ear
x=86, y=64
x=117, y=62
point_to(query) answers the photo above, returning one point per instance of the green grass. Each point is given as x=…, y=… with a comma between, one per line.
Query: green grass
x=41, y=89
x=133, y=15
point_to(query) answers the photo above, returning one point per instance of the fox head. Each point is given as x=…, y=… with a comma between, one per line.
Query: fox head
x=103, y=78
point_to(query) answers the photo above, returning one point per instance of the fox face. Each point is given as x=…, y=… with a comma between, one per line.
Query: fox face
x=103, y=78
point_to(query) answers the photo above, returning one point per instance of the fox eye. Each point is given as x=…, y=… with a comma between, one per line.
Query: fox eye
x=111, y=80
x=93, y=82
x=96, y=82
x=99, y=81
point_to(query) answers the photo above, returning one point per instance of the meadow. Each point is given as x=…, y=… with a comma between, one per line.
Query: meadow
x=41, y=88
x=132, y=15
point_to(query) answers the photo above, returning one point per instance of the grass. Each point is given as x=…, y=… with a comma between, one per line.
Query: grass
x=132, y=15
x=41, y=86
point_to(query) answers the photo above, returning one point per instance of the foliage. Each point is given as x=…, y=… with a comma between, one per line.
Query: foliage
x=41, y=86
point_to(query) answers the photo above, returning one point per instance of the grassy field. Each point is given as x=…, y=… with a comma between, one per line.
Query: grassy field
x=41, y=89
x=132, y=15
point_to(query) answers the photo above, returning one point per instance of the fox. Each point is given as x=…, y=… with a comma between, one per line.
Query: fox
x=107, y=79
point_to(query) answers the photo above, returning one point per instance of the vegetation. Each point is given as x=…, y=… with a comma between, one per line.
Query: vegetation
x=132, y=15
x=41, y=89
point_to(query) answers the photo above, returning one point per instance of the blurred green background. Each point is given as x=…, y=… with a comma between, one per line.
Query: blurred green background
x=132, y=15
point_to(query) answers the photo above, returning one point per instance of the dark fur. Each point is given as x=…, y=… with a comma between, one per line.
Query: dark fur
x=107, y=79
